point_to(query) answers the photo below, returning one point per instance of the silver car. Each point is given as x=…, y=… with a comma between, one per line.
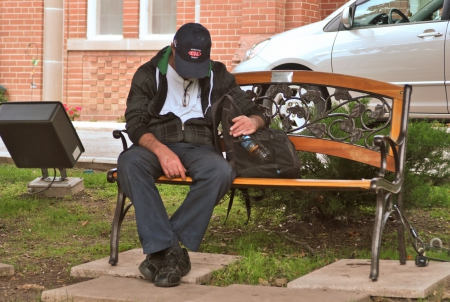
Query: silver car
x=402, y=42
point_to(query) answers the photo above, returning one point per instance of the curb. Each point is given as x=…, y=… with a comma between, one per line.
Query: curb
x=92, y=126
x=94, y=163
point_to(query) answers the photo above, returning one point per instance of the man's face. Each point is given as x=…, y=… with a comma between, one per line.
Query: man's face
x=172, y=61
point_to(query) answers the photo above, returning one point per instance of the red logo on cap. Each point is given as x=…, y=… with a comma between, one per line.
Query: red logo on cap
x=195, y=53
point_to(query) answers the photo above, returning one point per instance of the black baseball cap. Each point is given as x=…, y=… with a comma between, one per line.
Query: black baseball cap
x=192, y=44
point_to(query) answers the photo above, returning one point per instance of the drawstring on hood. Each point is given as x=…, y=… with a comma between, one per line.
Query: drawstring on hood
x=210, y=91
x=157, y=78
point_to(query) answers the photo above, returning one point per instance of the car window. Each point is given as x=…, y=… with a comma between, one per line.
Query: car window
x=388, y=12
x=431, y=11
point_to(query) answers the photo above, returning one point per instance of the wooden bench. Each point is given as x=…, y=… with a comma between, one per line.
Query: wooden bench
x=302, y=101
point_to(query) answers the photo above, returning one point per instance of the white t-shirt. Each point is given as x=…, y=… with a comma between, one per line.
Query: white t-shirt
x=175, y=94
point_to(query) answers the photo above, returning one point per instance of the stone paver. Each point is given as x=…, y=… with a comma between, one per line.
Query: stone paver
x=6, y=270
x=109, y=289
x=395, y=280
x=68, y=187
x=202, y=266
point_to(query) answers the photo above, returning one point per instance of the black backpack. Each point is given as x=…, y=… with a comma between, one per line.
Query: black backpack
x=283, y=161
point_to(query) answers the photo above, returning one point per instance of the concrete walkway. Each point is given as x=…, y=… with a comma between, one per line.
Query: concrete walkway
x=344, y=280
x=124, y=283
x=126, y=289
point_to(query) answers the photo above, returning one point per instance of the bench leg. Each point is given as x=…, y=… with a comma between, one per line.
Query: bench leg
x=377, y=232
x=400, y=230
x=119, y=214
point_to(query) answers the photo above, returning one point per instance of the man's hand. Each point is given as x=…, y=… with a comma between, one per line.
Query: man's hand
x=244, y=125
x=171, y=164
x=169, y=161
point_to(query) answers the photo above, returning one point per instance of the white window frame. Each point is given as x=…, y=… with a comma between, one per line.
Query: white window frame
x=92, y=25
x=143, y=25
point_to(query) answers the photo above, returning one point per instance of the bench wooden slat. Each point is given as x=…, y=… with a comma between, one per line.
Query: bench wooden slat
x=352, y=152
x=311, y=184
x=327, y=79
x=274, y=183
x=333, y=148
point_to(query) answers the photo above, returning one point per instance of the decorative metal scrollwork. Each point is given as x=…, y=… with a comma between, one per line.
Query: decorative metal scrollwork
x=312, y=96
x=342, y=115
x=274, y=90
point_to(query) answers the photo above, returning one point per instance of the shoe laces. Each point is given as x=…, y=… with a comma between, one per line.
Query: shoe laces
x=171, y=259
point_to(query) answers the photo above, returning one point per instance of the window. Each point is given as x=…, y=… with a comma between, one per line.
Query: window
x=388, y=12
x=105, y=19
x=110, y=15
x=158, y=19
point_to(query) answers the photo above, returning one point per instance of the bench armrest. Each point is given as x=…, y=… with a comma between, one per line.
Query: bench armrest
x=119, y=134
x=111, y=175
x=386, y=144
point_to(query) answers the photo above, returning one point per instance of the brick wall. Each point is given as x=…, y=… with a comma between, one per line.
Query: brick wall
x=261, y=19
x=75, y=19
x=130, y=19
x=21, y=40
x=301, y=13
x=223, y=18
x=329, y=6
x=98, y=81
x=186, y=11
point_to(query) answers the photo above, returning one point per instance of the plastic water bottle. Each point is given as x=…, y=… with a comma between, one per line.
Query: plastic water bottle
x=262, y=154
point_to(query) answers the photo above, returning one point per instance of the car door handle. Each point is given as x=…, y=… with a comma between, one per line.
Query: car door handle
x=430, y=34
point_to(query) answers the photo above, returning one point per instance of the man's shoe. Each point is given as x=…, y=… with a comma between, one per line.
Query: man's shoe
x=176, y=265
x=149, y=268
x=185, y=263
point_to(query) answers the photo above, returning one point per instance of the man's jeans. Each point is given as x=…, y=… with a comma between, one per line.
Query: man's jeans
x=212, y=177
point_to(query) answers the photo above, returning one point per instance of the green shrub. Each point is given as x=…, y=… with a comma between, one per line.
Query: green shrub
x=427, y=164
x=2, y=94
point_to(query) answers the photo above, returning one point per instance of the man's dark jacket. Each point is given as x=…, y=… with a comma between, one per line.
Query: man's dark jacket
x=146, y=100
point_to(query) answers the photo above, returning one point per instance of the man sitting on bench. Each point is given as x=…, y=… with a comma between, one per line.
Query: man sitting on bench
x=168, y=119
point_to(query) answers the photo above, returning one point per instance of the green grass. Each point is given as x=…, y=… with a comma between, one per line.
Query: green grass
x=266, y=258
x=56, y=227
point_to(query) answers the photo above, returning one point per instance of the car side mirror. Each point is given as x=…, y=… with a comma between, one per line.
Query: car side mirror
x=347, y=17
